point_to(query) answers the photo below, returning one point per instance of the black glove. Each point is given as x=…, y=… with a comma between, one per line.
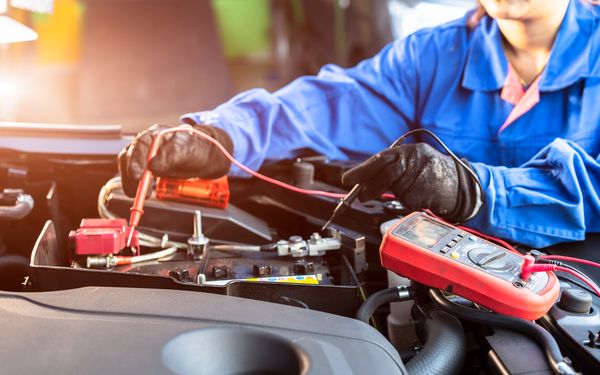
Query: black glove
x=180, y=155
x=421, y=178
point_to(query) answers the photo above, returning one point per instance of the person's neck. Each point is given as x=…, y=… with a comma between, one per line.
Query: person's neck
x=528, y=42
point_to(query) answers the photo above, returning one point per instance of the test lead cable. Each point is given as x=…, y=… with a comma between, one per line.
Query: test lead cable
x=137, y=210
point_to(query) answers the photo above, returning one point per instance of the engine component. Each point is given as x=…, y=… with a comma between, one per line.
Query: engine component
x=400, y=327
x=315, y=246
x=515, y=353
x=559, y=364
x=223, y=267
x=439, y=255
x=575, y=322
x=262, y=270
x=197, y=243
x=382, y=297
x=303, y=173
x=209, y=193
x=576, y=301
x=593, y=340
x=184, y=332
x=113, y=261
x=230, y=272
x=102, y=237
x=15, y=204
x=180, y=275
x=445, y=346
x=301, y=267
x=175, y=218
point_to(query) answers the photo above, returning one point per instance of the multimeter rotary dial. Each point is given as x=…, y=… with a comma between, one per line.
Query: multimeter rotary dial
x=491, y=259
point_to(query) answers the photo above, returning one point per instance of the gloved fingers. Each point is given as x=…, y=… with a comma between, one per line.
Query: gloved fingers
x=369, y=168
x=388, y=177
x=133, y=162
x=219, y=164
x=126, y=180
x=372, y=190
x=160, y=164
x=180, y=155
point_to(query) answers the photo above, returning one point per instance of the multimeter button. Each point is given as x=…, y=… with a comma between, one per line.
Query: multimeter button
x=457, y=239
x=445, y=250
x=451, y=243
x=455, y=255
x=472, y=238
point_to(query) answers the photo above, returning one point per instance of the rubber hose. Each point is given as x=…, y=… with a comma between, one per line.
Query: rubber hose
x=444, y=349
x=19, y=210
x=380, y=298
x=540, y=335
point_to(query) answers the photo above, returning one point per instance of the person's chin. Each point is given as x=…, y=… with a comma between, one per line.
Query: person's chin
x=508, y=10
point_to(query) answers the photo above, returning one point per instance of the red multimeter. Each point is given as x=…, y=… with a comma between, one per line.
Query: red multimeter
x=434, y=253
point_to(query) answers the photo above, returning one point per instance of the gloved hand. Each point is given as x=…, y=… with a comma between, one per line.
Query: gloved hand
x=421, y=178
x=180, y=155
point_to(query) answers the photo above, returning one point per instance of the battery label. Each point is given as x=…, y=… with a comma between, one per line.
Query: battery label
x=303, y=279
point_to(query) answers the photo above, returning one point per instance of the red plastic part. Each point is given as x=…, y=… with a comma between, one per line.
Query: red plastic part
x=210, y=193
x=438, y=271
x=527, y=267
x=102, y=237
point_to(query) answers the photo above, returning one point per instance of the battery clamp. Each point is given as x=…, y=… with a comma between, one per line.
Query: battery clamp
x=437, y=254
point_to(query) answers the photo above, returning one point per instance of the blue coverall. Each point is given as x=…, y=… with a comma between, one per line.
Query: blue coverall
x=540, y=171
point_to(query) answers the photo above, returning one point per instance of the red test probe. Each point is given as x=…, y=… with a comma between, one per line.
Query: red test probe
x=137, y=210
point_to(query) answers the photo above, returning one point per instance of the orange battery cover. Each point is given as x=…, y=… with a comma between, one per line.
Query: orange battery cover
x=210, y=193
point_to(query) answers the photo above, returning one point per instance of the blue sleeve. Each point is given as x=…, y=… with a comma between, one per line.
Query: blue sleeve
x=340, y=113
x=554, y=197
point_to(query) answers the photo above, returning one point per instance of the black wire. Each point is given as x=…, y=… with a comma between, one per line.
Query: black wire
x=543, y=337
x=581, y=273
x=294, y=302
x=448, y=151
x=571, y=279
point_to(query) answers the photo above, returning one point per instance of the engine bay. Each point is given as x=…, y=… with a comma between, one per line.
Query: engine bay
x=253, y=286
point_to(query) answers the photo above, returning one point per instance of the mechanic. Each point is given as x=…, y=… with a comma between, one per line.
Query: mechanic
x=513, y=88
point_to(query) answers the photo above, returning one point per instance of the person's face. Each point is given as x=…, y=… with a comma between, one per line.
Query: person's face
x=514, y=9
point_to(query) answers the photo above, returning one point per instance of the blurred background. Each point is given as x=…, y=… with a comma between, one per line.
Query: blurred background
x=139, y=62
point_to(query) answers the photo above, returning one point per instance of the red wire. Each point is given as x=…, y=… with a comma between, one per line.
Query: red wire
x=580, y=277
x=537, y=267
x=571, y=259
x=270, y=180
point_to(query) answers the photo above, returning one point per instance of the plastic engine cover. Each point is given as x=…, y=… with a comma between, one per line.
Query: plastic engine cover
x=151, y=331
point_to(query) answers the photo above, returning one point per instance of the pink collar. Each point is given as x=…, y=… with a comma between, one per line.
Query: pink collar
x=522, y=99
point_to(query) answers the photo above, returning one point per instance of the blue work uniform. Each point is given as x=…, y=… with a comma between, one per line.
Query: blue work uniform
x=538, y=160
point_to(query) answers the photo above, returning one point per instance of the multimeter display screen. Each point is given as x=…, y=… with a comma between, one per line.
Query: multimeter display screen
x=426, y=233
